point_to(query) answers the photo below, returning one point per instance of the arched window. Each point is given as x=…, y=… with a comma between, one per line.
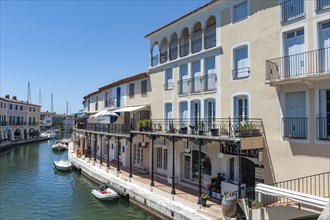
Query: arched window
x=174, y=47
x=184, y=43
x=154, y=55
x=163, y=51
x=196, y=44
x=210, y=33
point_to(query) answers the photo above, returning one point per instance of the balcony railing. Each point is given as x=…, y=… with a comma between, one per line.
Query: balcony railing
x=196, y=45
x=210, y=41
x=316, y=185
x=311, y=63
x=3, y=123
x=229, y=127
x=108, y=128
x=292, y=9
x=173, y=53
x=163, y=57
x=241, y=73
x=209, y=82
x=183, y=86
x=184, y=49
x=323, y=128
x=295, y=127
x=114, y=102
x=196, y=85
x=322, y=5
x=168, y=86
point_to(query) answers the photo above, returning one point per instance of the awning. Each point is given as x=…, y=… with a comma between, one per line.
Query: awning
x=131, y=109
x=104, y=112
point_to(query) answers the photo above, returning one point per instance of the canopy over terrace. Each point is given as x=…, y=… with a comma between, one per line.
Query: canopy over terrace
x=200, y=140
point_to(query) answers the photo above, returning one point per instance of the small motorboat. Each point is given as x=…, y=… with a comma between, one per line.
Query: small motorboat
x=63, y=165
x=105, y=193
x=59, y=145
x=48, y=134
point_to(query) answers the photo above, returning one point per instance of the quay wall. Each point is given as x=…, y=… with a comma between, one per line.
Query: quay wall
x=165, y=207
x=11, y=144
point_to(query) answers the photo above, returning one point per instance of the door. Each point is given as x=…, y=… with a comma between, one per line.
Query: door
x=294, y=57
x=184, y=79
x=241, y=110
x=196, y=112
x=196, y=76
x=209, y=114
x=295, y=123
x=137, y=156
x=325, y=47
x=241, y=62
x=210, y=74
x=118, y=95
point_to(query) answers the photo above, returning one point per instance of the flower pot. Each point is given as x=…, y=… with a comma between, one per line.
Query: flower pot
x=203, y=202
x=184, y=130
x=200, y=132
x=229, y=207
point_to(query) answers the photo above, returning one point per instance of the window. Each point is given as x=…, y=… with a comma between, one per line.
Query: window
x=292, y=9
x=168, y=85
x=241, y=107
x=21, y=108
x=196, y=75
x=4, y=105
x=159, y=158
x=210, y=75
x=89, y=104
x=241, y=63
x=144, y=87
x=106, y=96
x=240, y=12
x=14, y=118
x=324, y=45
x=209, y=106
x=323, y=121
x=96, y=103
x=131, y=90
x=165, y=151
x=30, y=120
x=10, y=120
x=34, y=109
x=10, y=106
x=322, y=5
x=184, y=81
x=137, y=156
x=16, y=107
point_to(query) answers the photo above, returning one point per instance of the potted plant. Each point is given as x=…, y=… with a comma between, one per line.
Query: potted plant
x=203, y=199
x=147, y=125
x=184, y=130
x=247, y=130
x=140, y=123
x=214, y=130
x=229, y=205
x=172, y=129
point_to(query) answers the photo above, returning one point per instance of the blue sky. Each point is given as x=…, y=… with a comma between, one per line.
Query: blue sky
x=71, y=48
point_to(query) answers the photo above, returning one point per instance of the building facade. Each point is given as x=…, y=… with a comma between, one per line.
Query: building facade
x=18, y=119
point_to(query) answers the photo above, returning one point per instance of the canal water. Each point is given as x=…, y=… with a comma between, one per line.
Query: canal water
x=30, y=188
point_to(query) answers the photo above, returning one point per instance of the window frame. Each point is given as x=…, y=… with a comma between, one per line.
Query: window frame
x=234, y=19
x=144, y=89
x=131, y=90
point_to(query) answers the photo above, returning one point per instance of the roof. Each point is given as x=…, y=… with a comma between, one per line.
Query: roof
x=119, y=82
x=18, y=102
x=182, y=17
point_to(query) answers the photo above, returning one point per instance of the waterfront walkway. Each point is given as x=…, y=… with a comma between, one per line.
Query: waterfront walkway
x=182, y=205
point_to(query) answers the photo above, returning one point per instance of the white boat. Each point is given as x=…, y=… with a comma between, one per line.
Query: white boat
x=63, y=165
x=59, y=145
x=104, y=193
x=48, y=134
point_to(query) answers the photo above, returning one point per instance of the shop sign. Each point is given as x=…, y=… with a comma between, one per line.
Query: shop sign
x=253, y=153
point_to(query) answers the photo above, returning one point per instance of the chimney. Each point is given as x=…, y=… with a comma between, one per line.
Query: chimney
x=7, y=96
x=14, y=98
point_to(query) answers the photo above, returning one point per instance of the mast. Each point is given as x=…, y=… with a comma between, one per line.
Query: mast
x=29, y=94
x=52, y=104
x=67, y=107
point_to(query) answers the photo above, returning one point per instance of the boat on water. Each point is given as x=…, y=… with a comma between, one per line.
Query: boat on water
x=63, y=165
x=105, y=193
x=59, y=145
x=48, y=134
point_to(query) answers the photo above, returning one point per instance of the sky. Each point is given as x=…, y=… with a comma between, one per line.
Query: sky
x=72, y=48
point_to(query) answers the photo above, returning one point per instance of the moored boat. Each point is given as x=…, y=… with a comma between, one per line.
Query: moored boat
x=63, y=165
x=105, y=193
x=59, y=145
x=48, y=134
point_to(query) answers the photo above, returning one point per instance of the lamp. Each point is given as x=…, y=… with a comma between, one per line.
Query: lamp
x=220, y=154
x=187, y=149
x=260, y=157
x=143, y=144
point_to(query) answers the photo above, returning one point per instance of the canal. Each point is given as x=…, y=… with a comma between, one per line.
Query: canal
x=30, y=188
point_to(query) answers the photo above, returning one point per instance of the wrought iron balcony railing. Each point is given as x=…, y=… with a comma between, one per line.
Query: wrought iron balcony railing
x=231, y=127
x=295, y=127
x=198, y=84
x=114, y=102
x=3, y=123
x=311, y=63
x=292, y=9
x=323, y=128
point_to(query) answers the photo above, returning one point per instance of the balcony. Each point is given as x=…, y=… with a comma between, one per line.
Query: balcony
x=173, y=53
x=209, y=82
x=196, y=45
x=183, y=87
x=205, y=83
x=294, y=127
x=3, y=123
x=292, y=9
x=107, y=128
x=323, y=128
x=168, y=86
x=309, y=65
x=196, y=84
